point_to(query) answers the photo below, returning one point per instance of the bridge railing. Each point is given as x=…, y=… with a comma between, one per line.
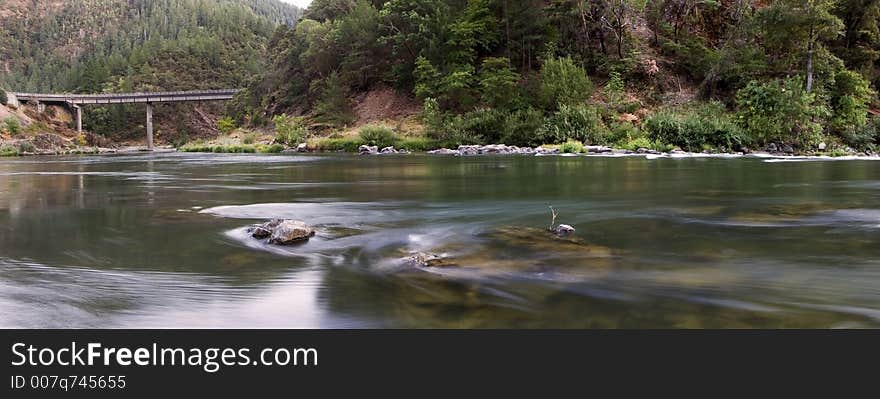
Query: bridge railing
x=64, y=96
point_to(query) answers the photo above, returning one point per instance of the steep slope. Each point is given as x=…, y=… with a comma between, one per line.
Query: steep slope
x=93, y=46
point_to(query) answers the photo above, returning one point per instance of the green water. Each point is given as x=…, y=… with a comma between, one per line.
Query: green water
x=159, y=241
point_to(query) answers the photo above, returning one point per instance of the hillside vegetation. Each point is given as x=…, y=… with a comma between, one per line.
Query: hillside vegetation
x=695, y=74
x=95, y=46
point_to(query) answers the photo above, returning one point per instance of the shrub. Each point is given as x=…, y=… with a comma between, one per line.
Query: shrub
x=644, y=142
x=289, y=130
x=416, y=144
x=563, y=82
x=695, y=130
x=226, y=125
x=571, y=147
x=622, y=133
x=865, y=138
x=446, y=129
x=581, y=123
x=12, y=125
x=347, y=144
x=26, y=146
x=780, y=110
x=8, y=151
x=523, y=128
x=488, y=124
x=270, y=149
x=850, y=96
x=379, y=136
x=3, y=98
x=249, y=138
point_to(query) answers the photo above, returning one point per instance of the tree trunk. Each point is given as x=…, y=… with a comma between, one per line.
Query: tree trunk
x=810, y=63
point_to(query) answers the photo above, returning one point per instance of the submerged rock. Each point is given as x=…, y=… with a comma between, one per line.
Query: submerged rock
x=422, y=259
x=291, y=232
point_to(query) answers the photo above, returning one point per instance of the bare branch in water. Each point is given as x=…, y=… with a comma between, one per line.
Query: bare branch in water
x=553, y=221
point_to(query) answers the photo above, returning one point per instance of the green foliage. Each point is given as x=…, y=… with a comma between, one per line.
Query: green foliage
x=8, y=151
x=289, y=130
x=779, y=111
x=849, y=99
x=523, y=128
x=249, y=138
x=695, y=129
x=615, y=83
x=380, y=136
x=571, y=147
x=865, y=138
x=579, y=122
x=345, y=144
x=226, y=125
x=416, y=144
x=489, y=125
x=498, y=82
x=11, y=125
x=333, y=105
x=563, y=82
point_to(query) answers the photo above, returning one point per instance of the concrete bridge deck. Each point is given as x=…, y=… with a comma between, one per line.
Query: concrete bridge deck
x=128, y=98
x=75, y=101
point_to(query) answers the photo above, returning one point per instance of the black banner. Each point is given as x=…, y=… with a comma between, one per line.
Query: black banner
x=74, y=363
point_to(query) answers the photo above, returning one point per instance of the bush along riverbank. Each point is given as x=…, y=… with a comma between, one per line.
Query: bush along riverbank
x=586, y=129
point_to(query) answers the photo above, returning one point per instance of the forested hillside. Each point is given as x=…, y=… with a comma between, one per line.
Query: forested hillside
x=697, y=74
x=93, y=46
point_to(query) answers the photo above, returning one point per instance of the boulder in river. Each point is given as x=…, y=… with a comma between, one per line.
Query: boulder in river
x=282, y=232
x=388, y=150
x=264, y=230
x=443, y=151
x=368, y=150
x=291, y=232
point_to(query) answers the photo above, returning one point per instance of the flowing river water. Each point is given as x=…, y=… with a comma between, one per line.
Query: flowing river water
x=159, y=240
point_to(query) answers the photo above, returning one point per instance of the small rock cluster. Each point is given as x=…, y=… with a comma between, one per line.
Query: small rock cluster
x=493, y=149
x=374, y=150
x=282, y=232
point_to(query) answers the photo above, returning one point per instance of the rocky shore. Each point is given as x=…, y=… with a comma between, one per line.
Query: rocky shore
x=772, y=150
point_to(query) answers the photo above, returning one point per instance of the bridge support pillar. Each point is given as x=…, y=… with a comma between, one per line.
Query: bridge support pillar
x=150, y=126
x=79, y=118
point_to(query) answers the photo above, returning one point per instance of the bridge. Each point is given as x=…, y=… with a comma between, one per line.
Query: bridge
x=76, y=101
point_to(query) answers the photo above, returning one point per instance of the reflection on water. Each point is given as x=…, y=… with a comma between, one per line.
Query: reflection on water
x=160, y=241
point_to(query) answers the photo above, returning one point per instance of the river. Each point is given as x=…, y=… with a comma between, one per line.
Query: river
x=159, y=240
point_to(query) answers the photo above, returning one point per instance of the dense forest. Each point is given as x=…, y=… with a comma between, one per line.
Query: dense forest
x=694, y=74
x=95, y=46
